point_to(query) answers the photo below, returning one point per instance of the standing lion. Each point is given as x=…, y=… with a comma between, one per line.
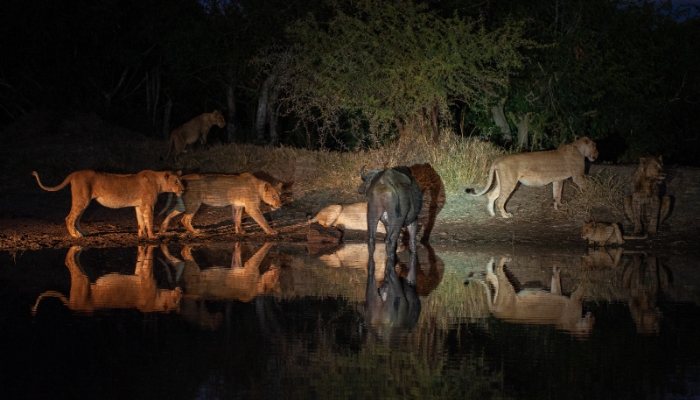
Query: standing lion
x=195, y=129
x=537, y=168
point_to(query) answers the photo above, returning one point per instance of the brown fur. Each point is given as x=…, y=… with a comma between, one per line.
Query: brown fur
x=537, y=168
x=534, y=306
x=138, y=190
x=244, y=192
x=195, y=129
x=602, y=233
x=646, y=201
x=116, y=290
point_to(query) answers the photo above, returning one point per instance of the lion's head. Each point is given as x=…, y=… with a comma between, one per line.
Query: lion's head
x=651, y=168
x=587, y=147
x=588, y=230
x=270, y=195
x=218, y=119
x=172, y=183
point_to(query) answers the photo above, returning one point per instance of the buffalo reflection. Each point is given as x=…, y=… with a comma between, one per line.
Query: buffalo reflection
x=356, y=255
x=392, y=308
x=115, y=290
x=535, y=306
x=645, y=281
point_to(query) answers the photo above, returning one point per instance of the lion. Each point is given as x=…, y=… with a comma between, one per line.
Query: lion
x=195, y=129
x=646, y=199
x=348, y=216
x=537, y=168
x=138, y=190
x=602, y=233
x=242, y=192
x=116, y=290
x=535, y=306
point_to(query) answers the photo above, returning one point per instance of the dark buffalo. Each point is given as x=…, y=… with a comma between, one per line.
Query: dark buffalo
x=394, y=198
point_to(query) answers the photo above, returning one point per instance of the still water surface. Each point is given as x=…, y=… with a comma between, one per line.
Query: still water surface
x=243, y=320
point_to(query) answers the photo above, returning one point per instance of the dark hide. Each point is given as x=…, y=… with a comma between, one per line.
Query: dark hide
x=394, y=198
x=393, y=308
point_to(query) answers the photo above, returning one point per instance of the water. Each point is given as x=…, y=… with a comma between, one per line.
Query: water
x=219, y=321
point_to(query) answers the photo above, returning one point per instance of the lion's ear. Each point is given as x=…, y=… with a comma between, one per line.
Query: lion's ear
x=661, y=158
x=267, y=186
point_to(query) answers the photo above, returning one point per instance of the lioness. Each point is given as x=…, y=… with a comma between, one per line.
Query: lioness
x=242, y=192
x=537, y=168
x=601, y=233
x=138, y=190
x=191, y=131
x=116, y=290
x=646, y=195
x=535, y=306
x=348, y=216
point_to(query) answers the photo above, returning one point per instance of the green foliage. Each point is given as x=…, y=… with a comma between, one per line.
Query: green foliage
x=384, y=63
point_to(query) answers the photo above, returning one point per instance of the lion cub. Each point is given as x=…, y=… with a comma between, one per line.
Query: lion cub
x=602, y=233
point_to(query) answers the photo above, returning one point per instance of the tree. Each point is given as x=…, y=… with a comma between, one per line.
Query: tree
x=380, y=65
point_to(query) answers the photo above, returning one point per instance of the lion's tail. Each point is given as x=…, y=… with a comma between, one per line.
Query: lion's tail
x=55, y=188
x=49, y=293
x=489, y=182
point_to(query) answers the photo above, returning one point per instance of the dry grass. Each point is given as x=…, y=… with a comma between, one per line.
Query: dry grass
x=602, y=197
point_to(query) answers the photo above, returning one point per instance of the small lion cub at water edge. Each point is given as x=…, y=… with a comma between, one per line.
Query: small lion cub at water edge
x=602, y=233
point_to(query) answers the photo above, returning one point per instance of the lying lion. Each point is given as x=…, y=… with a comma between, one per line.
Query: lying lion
x=115, y=290
x=535, y=306
x=602, y=233
x=195, y=129
x=646, y=201
x=537, y=168
x=138, y=190
x=348, y=216
x=243, y=192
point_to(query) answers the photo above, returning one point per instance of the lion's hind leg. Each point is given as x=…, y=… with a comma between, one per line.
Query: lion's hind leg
x=81, y=200
x=665, y=208
x=501, y=193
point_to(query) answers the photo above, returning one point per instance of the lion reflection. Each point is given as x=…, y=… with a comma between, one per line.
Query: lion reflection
x=116, y=290
x=535, y=306
x=242, y=282
x=645, y=282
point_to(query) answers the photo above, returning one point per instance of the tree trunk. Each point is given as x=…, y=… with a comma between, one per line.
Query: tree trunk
x=522, y=122
x=261, y=117
x=434, y=117
x=499, y=118
x=231, y=113
x=166, y=118
x=272, y=113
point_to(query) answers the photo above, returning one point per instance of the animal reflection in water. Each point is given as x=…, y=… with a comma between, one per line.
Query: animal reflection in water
x=645, y=281
x=116, y=290
x=392, y=308
x=535, y=306
x=429, y=267
x=242, y=282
